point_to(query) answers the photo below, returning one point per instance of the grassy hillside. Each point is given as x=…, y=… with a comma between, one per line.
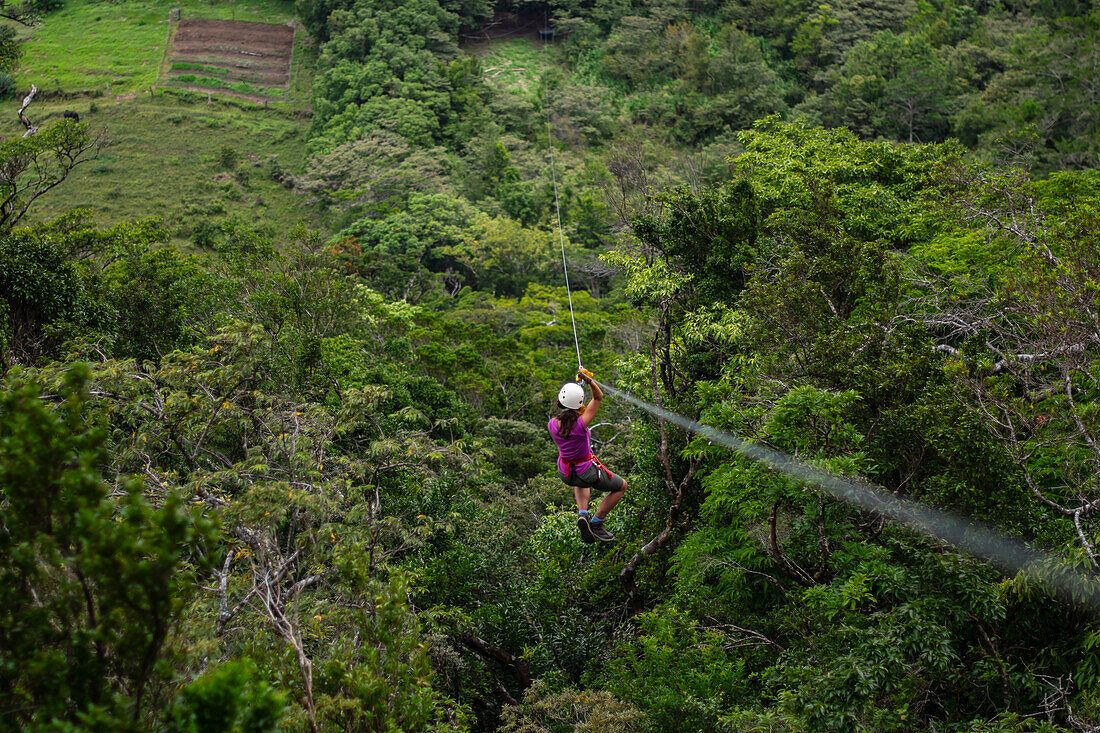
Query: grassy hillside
x=177, y=155
x=182, y=161
x=118, y=48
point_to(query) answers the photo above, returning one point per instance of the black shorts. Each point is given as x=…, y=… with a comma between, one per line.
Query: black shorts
x=594, y=477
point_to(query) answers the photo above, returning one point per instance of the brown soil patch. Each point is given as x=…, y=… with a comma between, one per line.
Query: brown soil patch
x=231, y=51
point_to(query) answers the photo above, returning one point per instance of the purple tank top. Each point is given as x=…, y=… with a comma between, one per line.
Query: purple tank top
x=573, y=447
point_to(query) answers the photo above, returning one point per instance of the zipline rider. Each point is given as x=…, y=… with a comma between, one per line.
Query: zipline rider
x=577, y=465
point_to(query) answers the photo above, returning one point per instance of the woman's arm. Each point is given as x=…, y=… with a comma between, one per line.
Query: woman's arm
x=593, y=405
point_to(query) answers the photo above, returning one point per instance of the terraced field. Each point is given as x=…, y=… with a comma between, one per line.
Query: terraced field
x=237, y=58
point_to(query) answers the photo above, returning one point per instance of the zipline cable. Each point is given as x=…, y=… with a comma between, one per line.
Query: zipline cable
x=557, y=211
x=1008, y=555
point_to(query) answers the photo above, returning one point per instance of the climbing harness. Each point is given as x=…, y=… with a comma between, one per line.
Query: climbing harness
x=571, y=465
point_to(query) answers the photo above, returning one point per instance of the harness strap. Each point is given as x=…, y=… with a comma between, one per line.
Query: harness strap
x=572, y=465
x=597, y=462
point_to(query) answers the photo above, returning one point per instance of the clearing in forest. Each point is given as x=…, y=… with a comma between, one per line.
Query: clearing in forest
x=231, y=57
x=512, y=51
x=511, y=64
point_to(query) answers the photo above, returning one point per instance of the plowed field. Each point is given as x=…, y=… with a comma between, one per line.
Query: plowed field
x=231, y=57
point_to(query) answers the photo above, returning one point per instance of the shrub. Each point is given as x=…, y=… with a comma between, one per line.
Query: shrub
x=275, y=169
x=11, y=49
x=231, y=697
x=228, y=157
x=205, y=233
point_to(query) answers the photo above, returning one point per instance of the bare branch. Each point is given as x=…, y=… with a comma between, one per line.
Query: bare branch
x=31, y=129
x=750, y=637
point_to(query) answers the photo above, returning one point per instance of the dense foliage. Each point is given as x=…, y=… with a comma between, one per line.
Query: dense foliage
x=303, y=482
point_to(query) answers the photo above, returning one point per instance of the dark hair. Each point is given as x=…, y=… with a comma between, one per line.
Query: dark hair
x=567, y=420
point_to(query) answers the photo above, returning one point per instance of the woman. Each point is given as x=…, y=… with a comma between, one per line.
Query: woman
x=577, y=466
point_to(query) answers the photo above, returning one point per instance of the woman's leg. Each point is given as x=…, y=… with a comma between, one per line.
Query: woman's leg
x=609, y=500
x=581, y=495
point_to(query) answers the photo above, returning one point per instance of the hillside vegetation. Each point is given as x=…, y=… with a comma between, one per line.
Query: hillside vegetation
x=259, y=473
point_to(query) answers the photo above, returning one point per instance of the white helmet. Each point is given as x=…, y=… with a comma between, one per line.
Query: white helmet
x=571, y=396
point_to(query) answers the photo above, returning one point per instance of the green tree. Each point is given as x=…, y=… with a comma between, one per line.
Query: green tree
x=502, y=256
x=709, y=237
x=676, y=672
x=42, y=288
x=1022, y=336
x=161, y=300
x=583, y=711
x=32, y=166
x=851, y=623
x=92, y=583
x=829, y=31
x=67, y=281
x=373, y=175
x=637, y=52
x=405, y=255
x=314, y=500
x=380, y=70
x=229, y=698
x=893, y=86
x=1038, y=109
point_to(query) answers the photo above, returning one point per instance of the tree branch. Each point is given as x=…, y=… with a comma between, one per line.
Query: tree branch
x=516, y=665
x=31, y=129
